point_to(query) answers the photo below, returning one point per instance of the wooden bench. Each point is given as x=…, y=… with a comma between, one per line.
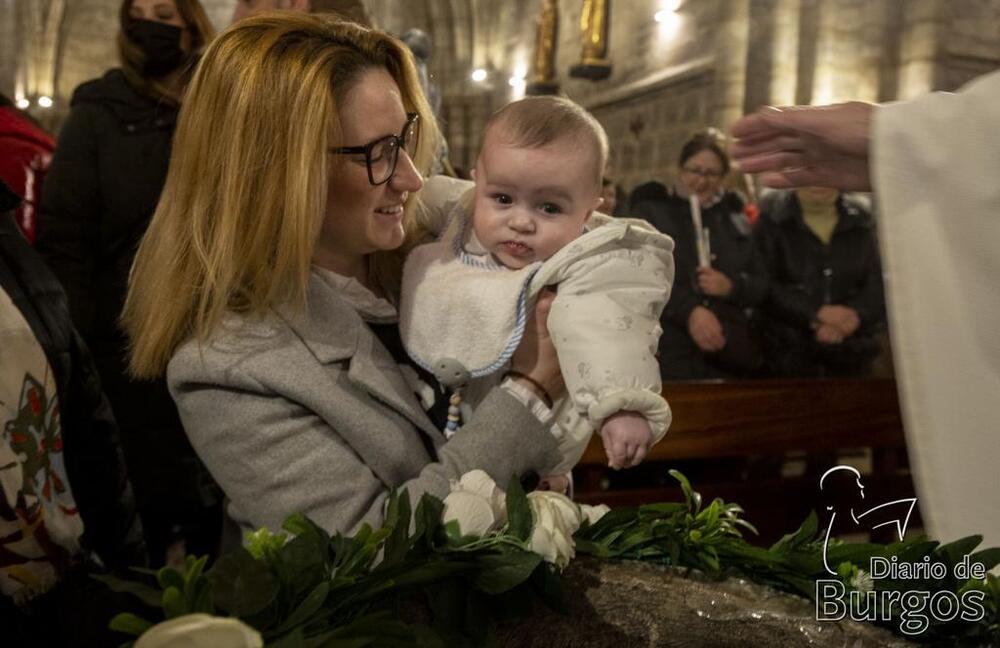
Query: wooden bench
x=715, y=420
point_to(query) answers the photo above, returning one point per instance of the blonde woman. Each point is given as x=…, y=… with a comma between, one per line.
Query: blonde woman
x=99, y=195
x=266, y=282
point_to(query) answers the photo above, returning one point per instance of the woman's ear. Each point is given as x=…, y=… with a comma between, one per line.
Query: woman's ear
x=472, y=174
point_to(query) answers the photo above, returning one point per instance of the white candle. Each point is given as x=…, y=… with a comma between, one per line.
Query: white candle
x=699, y=238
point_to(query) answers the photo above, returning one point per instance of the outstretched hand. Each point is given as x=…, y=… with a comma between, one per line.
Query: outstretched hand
x=803, y=146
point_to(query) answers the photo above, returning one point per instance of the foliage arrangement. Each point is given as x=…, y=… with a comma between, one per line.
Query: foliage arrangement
x=309, y=589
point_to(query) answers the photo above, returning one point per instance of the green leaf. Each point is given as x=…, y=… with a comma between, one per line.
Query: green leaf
x=298, y=524
x=805, y=533
x=953, y=552
x=148, y=595
x=293, y=639
x=609, y=526
x=304, y=564
x=591, y=548
x=519, y=519
x=453, y=531
x=170, y=577
x=129, y=624
x=242, y=586
x=193, y=580
x=989, y=557
x=193, y=568
x=174, y=604
x=397, y=518
x=313, y=602
x=692, y=497
x=203, y=598
x=500, y=573
x=428, y=520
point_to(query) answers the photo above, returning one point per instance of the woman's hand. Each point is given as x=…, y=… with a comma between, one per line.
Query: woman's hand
x=706, y=330
x=714, y=283
x=844, y=318
x=829, y=334
x=536, y=357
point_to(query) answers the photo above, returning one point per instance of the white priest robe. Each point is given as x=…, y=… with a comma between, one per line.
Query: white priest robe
x=936, y=172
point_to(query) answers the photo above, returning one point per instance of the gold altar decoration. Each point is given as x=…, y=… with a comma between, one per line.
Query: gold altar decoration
x=543, y=67
x=594, y=22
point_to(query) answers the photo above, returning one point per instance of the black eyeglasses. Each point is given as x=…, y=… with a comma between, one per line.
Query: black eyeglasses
x=382, y=154
x=703, y=173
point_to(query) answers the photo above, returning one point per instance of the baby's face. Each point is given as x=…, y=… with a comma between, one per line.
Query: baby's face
x=530, y=202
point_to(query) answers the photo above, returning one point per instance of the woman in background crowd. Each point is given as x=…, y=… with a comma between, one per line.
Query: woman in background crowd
x=826, y=301
x=709, y=325
x=102, y=188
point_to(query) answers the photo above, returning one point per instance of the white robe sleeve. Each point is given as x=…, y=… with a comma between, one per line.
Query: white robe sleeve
x=936, y=163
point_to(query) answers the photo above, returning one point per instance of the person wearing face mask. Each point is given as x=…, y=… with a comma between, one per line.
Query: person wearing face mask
x=102, y=188
x=709, y=324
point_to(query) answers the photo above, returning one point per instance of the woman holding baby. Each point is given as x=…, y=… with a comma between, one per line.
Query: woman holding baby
x=265, y=285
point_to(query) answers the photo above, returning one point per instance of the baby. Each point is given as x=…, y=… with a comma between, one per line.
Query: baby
x=530, y=223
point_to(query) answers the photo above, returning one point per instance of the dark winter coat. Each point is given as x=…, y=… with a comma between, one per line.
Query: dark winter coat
x=732, y=254
x=100, y=194
x=805, y=274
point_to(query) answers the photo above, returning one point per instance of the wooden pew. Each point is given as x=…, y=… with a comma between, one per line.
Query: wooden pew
x=715, y=420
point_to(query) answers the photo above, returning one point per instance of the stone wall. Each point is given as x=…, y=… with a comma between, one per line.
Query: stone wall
x=708, y=63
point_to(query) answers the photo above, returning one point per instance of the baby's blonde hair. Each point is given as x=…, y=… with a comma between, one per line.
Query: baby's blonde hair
x=534, y=122
x=246, y=193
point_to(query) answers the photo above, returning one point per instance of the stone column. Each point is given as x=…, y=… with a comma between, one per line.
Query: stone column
x=921, y=57
x=784, y=51
x=732, y=37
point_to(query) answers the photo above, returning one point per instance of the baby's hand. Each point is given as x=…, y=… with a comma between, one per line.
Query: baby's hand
x=627, y=438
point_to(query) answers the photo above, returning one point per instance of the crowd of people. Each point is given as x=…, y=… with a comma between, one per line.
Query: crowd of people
x=789, y=287
x=209, y=348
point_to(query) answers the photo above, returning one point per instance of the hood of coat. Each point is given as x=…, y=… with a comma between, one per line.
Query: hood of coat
x=134, y=111
x=783, y=207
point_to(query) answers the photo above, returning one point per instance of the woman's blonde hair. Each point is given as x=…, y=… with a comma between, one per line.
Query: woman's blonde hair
x=246, y=192
x=131, y=57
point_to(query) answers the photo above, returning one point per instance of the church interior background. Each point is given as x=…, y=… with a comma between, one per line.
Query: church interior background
x=676, y=65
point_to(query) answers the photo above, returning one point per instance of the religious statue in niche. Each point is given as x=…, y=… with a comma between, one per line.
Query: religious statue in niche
x=543, y=66
x=594, y=21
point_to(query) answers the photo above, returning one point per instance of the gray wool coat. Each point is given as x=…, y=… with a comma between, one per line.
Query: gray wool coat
x=307, y=411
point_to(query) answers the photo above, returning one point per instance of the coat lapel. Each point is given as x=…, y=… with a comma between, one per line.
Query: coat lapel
x=333, y=331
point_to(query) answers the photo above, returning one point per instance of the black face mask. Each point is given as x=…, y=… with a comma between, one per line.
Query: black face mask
x=160, y=45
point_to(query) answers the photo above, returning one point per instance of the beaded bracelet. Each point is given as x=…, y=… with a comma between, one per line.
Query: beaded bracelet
x=542, y=392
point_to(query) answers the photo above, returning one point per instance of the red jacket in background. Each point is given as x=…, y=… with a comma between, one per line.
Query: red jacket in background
x=25, y=153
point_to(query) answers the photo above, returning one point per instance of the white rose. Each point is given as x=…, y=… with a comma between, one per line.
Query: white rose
x=476, y=504
x=473, y=513
x=200, y=631
x=556, y=519
x=481, y=484
x=594, y=513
